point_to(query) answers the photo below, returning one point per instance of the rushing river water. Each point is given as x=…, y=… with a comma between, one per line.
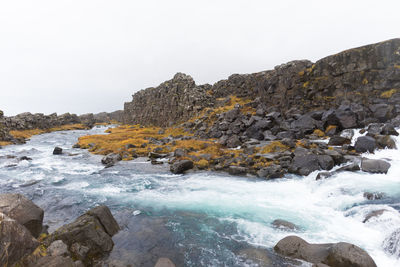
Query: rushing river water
x=201, y=219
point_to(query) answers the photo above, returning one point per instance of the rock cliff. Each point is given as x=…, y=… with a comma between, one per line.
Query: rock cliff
x=367, y=79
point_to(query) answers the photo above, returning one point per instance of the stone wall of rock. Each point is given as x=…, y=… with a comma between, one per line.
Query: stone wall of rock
x=367, y=79
x=173, y=101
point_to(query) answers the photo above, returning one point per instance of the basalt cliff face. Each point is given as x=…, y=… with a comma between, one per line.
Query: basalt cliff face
x=366, y=79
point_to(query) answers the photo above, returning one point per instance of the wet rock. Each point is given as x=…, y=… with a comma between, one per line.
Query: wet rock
x=338, y=141
x=392, y=243
x=89, y=236
x=25, y=158
x=385, y=141
x=282, y=224
x=154, y=155
x=335, y=255
x=304, y=164
x=164, y=262
x=257, y=256
x=347, y=133
x=365, y=144
x=373, y=196
x=111, y=159
x=326, y=162
x=324, y=175
x=24, y=211
x=237, y=170
x=16, y=241
x=181, y=166
x=271, y=172
x=374, y=165
x=57, y=151
x=353, y=167
x=372, y=214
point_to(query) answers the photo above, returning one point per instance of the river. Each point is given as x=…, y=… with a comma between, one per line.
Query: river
x=201, y=218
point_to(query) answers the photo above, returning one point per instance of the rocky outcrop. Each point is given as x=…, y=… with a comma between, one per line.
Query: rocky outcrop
x=173, y=101
x=334, y=255
x=360, y=85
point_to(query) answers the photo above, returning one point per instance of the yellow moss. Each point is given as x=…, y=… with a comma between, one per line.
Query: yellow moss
x=26, y=134
x=40, y=251
x=319, y=133
x=365, y=81
x=330, y=128
x=306, y=84
x=397, y=66
x=301, y=73
x=389, y=93
x=3, y=143
x=202, y=164
x=274, y=146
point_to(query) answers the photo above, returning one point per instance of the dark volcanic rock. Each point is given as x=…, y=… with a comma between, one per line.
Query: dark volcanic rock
x=88, y=237
x=304, y=164
x=181, y=166
x=365, y=144
x=374, y=165
x=57, y=151
x=15, y=241
x=271, y=172
x=22, y=210
x=111, y=159
x=237, y=170
x=338, y=141
x=335, y=255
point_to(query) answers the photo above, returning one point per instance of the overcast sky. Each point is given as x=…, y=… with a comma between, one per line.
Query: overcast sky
x=91, y=56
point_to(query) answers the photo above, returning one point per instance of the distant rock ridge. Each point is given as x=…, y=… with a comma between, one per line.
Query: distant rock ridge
x=367, y=78
x=29, y=121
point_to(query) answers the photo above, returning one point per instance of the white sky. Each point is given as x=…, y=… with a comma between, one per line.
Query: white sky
x=91, y=56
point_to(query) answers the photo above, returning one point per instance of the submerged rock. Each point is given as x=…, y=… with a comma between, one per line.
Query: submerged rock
x=24, y=211
x=282, y=224
x=335, y=255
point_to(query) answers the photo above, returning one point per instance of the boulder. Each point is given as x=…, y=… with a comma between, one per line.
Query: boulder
x=374, y=213
x=388, y=129
x=24, y=211
x=88, y=237
x=181, y=166
x=271, y=172
x=58, y=248
x=57, y=151
x=385, y=141
x=237, y=170
x=365, y=144
x=334, y=255
x=338, y=141
x=111, y=159
x=326, y=162
x=233, y=141
x=15, y=241
x=374, y=165
x=304, y=164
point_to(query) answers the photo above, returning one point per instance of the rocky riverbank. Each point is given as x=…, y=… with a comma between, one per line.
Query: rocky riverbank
x=16, y=129
x=298, y=118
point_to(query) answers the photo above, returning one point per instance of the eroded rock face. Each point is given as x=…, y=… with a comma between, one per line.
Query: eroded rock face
x=15, y=241
x=335, y=255
x=22, y=210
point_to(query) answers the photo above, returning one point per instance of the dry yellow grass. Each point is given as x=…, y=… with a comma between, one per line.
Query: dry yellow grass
x=388, y=93
x=26, y=134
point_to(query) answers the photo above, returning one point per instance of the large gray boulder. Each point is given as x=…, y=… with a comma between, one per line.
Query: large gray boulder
x=334, y=255
x=15, y=241
x=374, y=165
x=89, y=237
x=24, y=211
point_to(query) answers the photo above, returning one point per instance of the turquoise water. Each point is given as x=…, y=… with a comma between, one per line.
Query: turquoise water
x=201, y=219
